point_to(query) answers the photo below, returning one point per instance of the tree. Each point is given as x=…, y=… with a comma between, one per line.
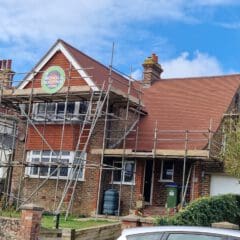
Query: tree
x=230, y=153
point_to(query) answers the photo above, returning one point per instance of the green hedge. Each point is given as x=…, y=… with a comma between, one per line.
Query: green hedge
x=204, y=211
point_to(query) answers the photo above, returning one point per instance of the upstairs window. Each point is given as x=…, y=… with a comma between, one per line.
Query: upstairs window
x=83, y=106
x=56, y=111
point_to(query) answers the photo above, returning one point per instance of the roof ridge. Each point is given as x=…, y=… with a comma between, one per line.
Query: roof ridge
x=201, y=77
x=92, y=59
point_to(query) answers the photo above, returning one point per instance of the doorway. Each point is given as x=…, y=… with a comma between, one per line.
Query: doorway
x=148, y=181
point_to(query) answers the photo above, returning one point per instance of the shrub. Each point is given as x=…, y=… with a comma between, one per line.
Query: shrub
x=205, y=211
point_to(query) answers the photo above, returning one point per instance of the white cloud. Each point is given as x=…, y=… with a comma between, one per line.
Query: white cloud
x=40, y=20
x=200, y=65
x=80, y=19
x=216, y=2
x=29, y=28
x=230, y=25
x=137, y=74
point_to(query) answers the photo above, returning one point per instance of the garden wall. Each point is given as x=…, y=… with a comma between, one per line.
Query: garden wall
x=105, y=232
x=9, y=227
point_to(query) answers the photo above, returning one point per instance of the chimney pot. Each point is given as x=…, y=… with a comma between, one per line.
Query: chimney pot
x=152, y=70
x=155, y=58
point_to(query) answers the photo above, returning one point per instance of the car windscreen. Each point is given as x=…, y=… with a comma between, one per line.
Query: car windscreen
x=145, y=236
x=192, y=236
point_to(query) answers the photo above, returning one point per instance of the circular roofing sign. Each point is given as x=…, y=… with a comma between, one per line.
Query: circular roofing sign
x=53, y=79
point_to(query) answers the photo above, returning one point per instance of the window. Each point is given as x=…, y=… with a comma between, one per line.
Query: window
x=41, y=110
x=128, y=172
x=188, y=236
x=56, y=111
x=60, y=110
x=167, y=171
x=145, y=236
x=45, y=164
x=83, y=106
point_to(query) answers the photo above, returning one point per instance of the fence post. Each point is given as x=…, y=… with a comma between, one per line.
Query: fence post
x=68, y=234
x=30, y=222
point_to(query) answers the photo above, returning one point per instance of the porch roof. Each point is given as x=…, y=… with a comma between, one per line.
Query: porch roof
x=158, y=153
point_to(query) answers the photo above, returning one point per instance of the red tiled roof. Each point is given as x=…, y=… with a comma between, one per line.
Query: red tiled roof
x=185, y=104
x=99, y=72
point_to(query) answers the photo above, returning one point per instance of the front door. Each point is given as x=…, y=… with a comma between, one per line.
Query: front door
x=148, y=180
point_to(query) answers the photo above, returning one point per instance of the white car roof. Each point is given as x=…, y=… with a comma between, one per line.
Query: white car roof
x=132, y=231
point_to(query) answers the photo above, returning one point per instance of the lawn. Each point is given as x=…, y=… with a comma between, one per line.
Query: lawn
x=72, y=222
x=10, y=213
x=49, y=222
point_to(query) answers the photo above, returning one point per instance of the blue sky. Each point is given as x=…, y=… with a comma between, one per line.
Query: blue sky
x=191, y=38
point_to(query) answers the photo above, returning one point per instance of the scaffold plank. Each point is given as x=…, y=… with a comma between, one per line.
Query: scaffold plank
x=161, y=153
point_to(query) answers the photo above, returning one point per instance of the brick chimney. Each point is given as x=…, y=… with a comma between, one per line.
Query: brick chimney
x=152, y=70
x=6, y=73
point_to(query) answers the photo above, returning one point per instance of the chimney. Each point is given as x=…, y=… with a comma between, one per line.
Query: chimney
x=152, y=70
x=6, y=73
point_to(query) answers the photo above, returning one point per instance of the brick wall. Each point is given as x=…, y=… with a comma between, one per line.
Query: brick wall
x=58, y=60
x=86, y=191
x=52, y=134
x=105, y=232
x=27, y=228
x=159, y=197
x=116, y=129
x=108, y=232
x=85, y=201
x=19, y=158
x=130, y=193
x=30, y=222
x=198, y=184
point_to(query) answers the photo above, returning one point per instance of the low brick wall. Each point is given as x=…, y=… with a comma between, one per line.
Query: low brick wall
x=50, y=234
x=132, y=221
x=9, y=228
x=106, y=232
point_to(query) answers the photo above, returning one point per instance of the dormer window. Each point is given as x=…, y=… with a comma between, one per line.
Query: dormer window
x=56, y=111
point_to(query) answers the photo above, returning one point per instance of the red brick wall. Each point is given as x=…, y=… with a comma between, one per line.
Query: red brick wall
x=196, y=183
x=85, y=200
x=53, y=135
x=159, y=196
x=130, y=193
x=86, y=192
x=59, y=60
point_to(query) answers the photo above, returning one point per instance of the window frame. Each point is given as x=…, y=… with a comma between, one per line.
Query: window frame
x=222, y=237
x=124, y=182
x=50, y=164
x=137, y=235
x=75, y=115
x=161, y=174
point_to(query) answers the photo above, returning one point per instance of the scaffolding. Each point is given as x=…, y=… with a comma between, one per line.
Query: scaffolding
x=22, y=105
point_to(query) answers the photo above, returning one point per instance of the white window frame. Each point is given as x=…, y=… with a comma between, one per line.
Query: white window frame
x=70, y=158
x=124, y=182
x=75, y=116
x=161, y=175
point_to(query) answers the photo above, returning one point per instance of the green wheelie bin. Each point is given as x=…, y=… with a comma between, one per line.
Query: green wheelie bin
x=172, y=195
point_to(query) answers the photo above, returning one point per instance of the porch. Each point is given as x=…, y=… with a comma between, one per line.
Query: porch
x=147, y=180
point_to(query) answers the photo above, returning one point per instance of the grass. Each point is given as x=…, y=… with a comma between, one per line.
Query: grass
x=49, y=222
x=10, y=213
